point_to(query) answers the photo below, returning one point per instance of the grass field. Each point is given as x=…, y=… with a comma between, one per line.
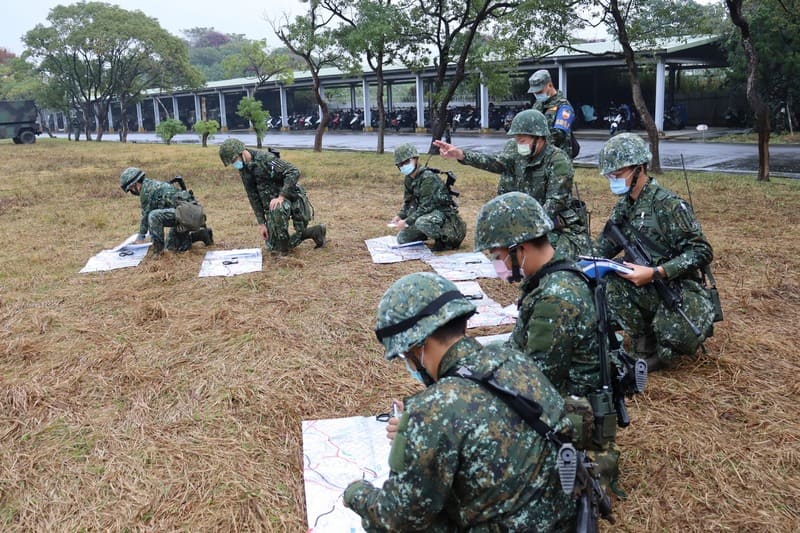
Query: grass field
x=149, y=399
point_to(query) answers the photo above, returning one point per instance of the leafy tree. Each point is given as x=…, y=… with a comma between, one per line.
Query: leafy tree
x=255, y=61
x=169, y=128
x=639, y=25
x=206, y=129
x=96, y=52
x=209, y=48
x=310, y=37
x=478, y=41
x=371, y=29
x=20, y=80
x=250, y=108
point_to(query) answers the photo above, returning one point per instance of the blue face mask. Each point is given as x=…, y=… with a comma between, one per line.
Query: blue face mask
x=238, y=165
x=541, y=97
x=416, y=374
x=408, y=168
x=618, y=185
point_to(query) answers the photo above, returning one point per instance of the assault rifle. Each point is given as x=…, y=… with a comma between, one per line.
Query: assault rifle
x=638, y=254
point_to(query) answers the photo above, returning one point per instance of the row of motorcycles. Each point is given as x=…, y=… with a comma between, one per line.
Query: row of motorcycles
x=623, y=117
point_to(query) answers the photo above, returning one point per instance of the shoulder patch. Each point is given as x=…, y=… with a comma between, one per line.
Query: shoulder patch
x=564, y=118
x=685, y=218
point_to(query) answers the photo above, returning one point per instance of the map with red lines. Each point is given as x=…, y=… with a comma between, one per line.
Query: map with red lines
x=336, y=452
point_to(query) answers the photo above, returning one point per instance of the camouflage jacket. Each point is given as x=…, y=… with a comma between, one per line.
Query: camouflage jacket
x=463, y=460
x=557, y=328
x=669, y=223
x=547, y=177
x=155, y=195
x=424, y=193
x=559, y=114
x=266, y=177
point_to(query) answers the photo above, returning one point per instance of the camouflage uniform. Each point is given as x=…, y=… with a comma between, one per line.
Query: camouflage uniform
x=667, y=221
x=547, y=177
x=266, y=177
x=462, y=459
x=557, y=110
x=158, y=200
x=667, y=227
x=557, y=322
x=429, y=212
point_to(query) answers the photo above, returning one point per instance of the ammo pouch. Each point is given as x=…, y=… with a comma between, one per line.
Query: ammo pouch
x=579, y=411
x=575, y=214
x=605, y=417
x=189, y=214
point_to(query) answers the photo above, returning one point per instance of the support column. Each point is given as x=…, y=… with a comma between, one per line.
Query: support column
x=483, y=92
x=139, y=120
x=420, y=98
x=367, y=105
x=660, y=90
x=110, y=119
x=156, y=113
x=284, y=108
x=389, y=96
x=353, y=97
x=562, y=80
x=319, y=107
x=197, y=112
x=175, y=107
x=223, y=113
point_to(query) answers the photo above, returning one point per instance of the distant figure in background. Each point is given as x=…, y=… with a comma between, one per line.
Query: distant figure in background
x=557, y=110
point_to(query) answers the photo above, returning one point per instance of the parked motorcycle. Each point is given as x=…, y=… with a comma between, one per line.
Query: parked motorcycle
x=614, y=119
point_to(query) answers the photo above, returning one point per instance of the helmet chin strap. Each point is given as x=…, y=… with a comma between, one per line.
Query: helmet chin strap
x=516, y=271
x=636, y=172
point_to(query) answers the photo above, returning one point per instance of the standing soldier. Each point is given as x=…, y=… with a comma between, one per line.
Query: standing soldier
x=558, y=322
x=461, y=459
x=428, y=211
x=557, y=110
x=666, y=228
x=539, y=170
x=275, y=196
x=159, y=200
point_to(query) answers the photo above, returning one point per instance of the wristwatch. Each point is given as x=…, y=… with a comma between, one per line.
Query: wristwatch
x=657, y=273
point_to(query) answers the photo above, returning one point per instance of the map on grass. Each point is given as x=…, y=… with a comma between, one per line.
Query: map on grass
x=387, y=250
x=463, y=266
x=230, y=262
x=124, y=255
x=490, y=313
x=336, y=452
x=491, y=339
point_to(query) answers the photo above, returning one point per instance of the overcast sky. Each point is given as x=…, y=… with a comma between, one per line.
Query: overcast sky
x=226, y=16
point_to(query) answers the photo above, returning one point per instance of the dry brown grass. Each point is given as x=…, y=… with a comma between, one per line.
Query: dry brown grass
x=150, y=399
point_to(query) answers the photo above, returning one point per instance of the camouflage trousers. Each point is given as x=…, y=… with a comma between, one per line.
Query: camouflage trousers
x=177, y=241
x=640, y=312
x=299, y=211
x=447, y=229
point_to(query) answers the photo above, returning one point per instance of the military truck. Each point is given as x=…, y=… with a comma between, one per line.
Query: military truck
x=18, y=120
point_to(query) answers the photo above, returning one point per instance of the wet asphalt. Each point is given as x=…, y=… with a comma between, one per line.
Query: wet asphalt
x=698, y=154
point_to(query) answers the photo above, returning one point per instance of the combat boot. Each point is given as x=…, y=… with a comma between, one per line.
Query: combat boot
x=206, y=236
x=317, y=234
x=157, y=248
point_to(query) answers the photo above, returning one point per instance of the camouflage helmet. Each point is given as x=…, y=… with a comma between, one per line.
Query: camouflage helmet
x=624, y=150
x=129, y=177
x=414, y=307
x=404, y=152
x=538, y=80
x=229, y=149
x=510, y=219
x=529, y=122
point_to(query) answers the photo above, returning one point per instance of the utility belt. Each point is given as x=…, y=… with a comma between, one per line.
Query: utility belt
x=594, y=419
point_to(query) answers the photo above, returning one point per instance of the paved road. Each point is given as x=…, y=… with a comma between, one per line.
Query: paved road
x=698, y=155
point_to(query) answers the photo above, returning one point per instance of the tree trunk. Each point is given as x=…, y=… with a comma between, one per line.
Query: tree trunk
x=381, y=110
x=101, y=111
x=323, y=123
x=123, y=121
x=758, y=106
x=636, y=87
x=205, y=140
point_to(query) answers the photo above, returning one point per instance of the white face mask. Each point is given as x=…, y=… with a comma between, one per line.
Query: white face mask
x=541, y=97
x=408, y=168
x=524, y=149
